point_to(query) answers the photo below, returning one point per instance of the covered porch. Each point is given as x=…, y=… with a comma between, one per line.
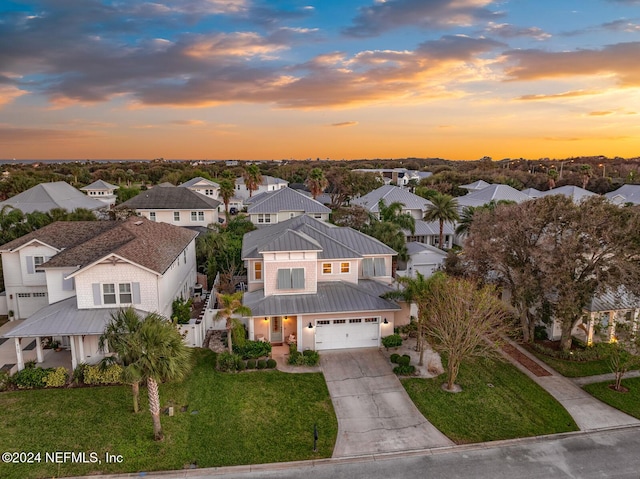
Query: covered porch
x=278, y=330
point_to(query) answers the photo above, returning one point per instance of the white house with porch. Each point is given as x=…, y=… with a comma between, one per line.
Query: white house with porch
x=67, y=279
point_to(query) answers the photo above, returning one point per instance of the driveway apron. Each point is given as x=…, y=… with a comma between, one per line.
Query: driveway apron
x=375, y=414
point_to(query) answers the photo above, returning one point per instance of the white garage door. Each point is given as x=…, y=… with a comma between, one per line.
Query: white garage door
x=347, y=333
x=29, y=303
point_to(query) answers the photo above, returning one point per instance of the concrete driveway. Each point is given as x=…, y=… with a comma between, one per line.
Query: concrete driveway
x=375, y=413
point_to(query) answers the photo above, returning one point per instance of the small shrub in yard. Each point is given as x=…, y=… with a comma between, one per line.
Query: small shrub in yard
x=404, y=370
x=112, y=374
x=78, y=373
x=251, y=364
x=311, y=358
x=30, y=378
x=296, y=358
x=241, y=366
x=271, y=363
x=394, y=358
x=253, y=349
x=4, y=380
x=404, y=360
x=392, y=341
x=262, y=364
x=56, y=378
x=228, y=362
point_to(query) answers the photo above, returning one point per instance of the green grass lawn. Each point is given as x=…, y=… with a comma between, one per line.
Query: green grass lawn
x=626, y=402
x=247, y=418
x=575, y=369
x=497, y=402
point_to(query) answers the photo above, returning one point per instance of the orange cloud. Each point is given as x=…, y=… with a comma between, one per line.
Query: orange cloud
x=345, y=123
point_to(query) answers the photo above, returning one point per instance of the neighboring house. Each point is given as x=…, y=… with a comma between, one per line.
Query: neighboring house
x=205, y=187
x=533, y=193
x=398, y=176
x=102, y=191
x=47, y=196
x=277, y=206
x=423, y=259
x=269, y=183
x=318, y=285
x=69, y=277
x=576, y=193
x=625, y=194
x=412, y=204
x=491, y=193
x=475, y=186
x=428, y=232
x=174, y=205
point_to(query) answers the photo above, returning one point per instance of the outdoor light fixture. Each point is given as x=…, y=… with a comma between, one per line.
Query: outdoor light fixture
x=385, y=321
x=310, y=325
x=266, y=318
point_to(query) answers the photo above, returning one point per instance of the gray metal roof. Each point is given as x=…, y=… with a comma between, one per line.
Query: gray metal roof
x=414, y=247
x=336, y=242
x=492, y=193
x=532, y=192
x=286, y=199
x=47, y=196
x=332, y=297
x=99, y=185
x=391, y=194
x=291, y=241
x=614, y=300
x=426, y=228
x=62, y=319
x=576, y=193
x=625, y=194
x=266, y=180
x=476, y=185
x=170, y=198
x=199, y=179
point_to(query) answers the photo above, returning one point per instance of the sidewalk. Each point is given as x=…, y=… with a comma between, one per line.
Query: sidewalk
x=588, y=412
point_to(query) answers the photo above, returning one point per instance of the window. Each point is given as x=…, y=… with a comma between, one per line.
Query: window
x=317, y=216
x=257, y=271
x=356, y=320
x=323, y=321
x=326, y=268
x=200, y=215
x=37, y=263
x=264, y=218
x=339, y=321
x=24, y=295
x=209, y=192
x=125, y=293
x=291, y=278
x=373, y=267
x=370, y=320
x=39, y=295
x=152, y=215
x=176, y=216
x=197, y=216
x=109, y=293
x=184, y=256
x=345, y=267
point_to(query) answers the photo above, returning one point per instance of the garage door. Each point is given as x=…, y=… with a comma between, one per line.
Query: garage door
x=347, y=333
x=29, y=303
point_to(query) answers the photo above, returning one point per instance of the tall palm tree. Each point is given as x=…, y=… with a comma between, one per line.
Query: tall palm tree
x=230, y=304
x=252, y=178
x=393, y=214
x=316, y=182
x=552, y=175
x=443, y=208
x=586, y=175
x=119, y=337
x=465, y=220
x=227, y=190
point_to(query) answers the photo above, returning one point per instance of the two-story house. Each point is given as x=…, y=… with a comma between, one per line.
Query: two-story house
x=318, y=285
x=174, y=205
x=203, y=186
x=69, y=277
x=276, y=206
x=102, y=191
x=269, y=183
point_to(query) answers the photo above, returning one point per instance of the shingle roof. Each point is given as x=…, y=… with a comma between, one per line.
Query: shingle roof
x=576, y=193
x=625, y=194
x=336, y=242
x=62, y=234
x=152, y=245
x=331, y=297
x=99, y=185
x=285, y=199
x=170, y=198
x=199, y=179
x=46, y=196
x=391, y=194
x=492, y=193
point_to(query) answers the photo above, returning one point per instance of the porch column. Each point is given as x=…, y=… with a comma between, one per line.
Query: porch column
x=612, y=325
x=80, y=349
x=39, y=354
x=635, y=316
x=19, y=354
x=252, y=333
x=592, y=318
x=74, y=360
x=299, y=332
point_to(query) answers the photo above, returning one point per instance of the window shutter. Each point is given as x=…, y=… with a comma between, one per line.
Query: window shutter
x=284, y=279
x=67, y=284
x=97, y=294
x=367, y=267
x=30, y=268
x=378, y=266
x=135, y=287
x=297, y=278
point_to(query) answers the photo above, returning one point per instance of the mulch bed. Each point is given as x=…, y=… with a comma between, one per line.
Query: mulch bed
x=526, y=361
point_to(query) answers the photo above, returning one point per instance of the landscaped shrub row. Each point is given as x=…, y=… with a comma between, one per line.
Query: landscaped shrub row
x=229, y=362
x=307, y=358
x=589, y=353
x=403, y=367
x=253, y=349
x=32, y=377
x=392, y=341
x=111, y=374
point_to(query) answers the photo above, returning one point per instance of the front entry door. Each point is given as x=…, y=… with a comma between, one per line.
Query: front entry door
x=276, y=329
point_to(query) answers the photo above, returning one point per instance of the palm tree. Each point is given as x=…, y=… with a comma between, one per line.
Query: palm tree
x=252, y=178
x=316, y=182
x=120, y=337
x=393, y=214
x=230, y=304
x=465, y=220
x=443, y=208
x=553, y=176
x=586, y=175
x=227, y=190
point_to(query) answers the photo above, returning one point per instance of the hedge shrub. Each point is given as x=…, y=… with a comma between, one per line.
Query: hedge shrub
x=30, y=378
x=228, y=362
x=112, y=374
x=392, y=341
x=394, y=358
x=251, y=364
x=4, y=380
x=271, y=363
x=56, y=377
x=253, y=349
x=261, y=364
x=404, y=370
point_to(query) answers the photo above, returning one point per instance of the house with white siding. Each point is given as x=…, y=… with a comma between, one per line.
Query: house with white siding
x=269, y=183
x=102, y=191
x=280, y=205
x=67, y=278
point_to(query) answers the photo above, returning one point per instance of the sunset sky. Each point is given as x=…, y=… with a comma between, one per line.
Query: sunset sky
x=258, y=79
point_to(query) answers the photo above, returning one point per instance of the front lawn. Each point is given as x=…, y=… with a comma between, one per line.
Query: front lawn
x=626, y=402
x=497, y=402
x=574, y=369
x=246, y=418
